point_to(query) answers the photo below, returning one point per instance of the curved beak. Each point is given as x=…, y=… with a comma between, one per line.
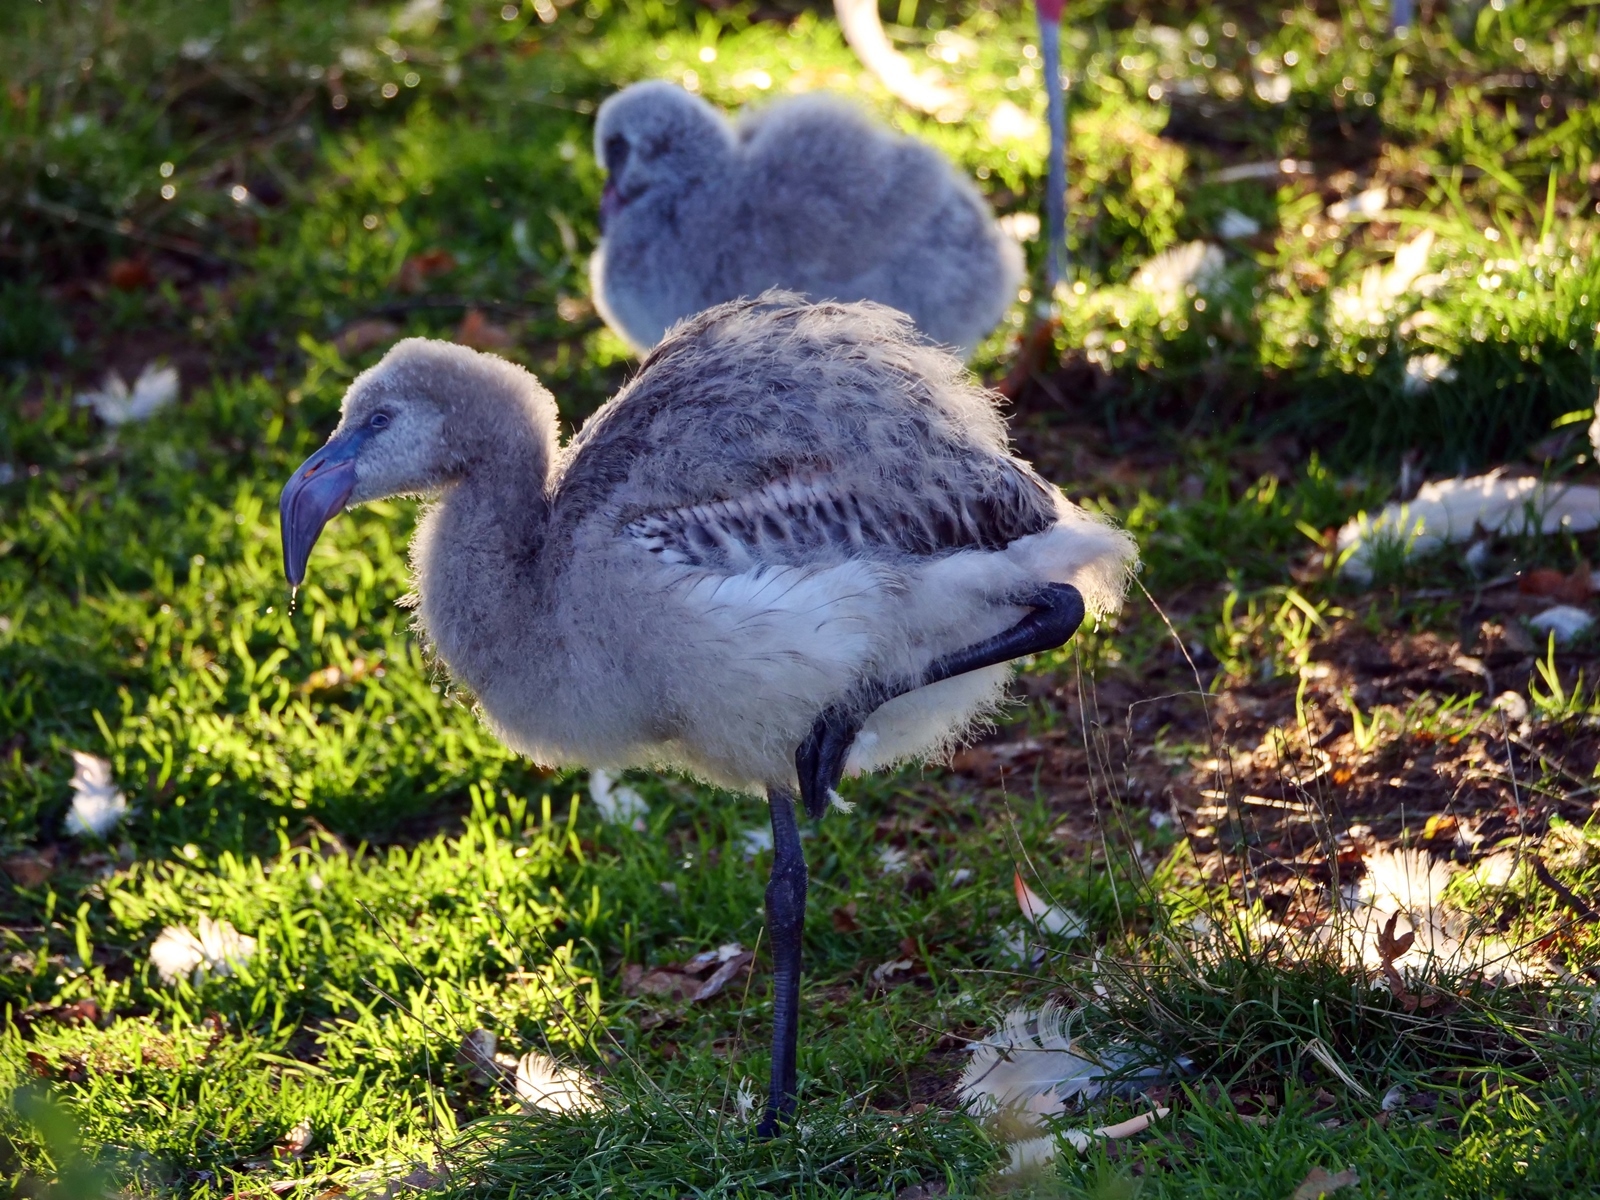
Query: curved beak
x=313, y=496
x=610, y=202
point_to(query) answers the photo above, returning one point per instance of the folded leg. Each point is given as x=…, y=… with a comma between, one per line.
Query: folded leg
x=1057, y=611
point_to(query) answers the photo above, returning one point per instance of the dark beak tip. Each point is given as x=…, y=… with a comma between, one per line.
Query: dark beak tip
x=314, y=495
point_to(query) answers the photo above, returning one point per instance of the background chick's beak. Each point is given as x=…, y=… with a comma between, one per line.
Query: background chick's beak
x=313, y=496
x=610, y=202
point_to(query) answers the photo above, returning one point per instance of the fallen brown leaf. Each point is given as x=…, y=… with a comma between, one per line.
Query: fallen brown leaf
x=477, y=1055
x=1038, y=345
x=1390, y=947
x=1441, y=827
x=419, y=268
x=68, y=1070
x=1319, y=1183
x=130, y=274
x=683, y=981
x=79, y=1012
x=30, y=868
x=479, y=333
x=366, y=334
x=844, y=918
x=1543, y=581
x=663, y=982
x=720, y=977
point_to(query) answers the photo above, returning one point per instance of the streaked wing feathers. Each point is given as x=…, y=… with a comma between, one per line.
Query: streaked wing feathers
x=794, y=521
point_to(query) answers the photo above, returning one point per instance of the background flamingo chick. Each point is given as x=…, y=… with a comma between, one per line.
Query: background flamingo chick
x=807, y=194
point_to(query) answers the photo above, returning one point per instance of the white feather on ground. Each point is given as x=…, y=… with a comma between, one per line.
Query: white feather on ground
x=1370, y=301
x=1031, y=1066
x=617, y=803
x=1404, y=881
x=216, y=950
x=543, y=1083
x=1029, y=1069
x=1444, y=939
x=1423, y=371
x=1455, y=510
x=1032, y=1154
x=892, y=860
x=1168, y=276
x=117, y=404
x=1235, y=224
x=1363, y=204
x=1410, y=884
x=1047, y=918
x=97, y=805
x=745, y=1099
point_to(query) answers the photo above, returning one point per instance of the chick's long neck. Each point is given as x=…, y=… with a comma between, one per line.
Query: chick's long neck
x=477, y=555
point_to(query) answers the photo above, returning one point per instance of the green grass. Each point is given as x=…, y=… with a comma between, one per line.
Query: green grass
x=304, y=774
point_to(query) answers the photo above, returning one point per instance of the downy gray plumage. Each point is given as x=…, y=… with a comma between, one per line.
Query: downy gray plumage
x=807, y=194
x=765, y=562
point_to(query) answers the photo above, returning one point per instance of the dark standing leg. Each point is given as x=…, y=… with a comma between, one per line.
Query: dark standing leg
x=1057, y=613
x=786, y=920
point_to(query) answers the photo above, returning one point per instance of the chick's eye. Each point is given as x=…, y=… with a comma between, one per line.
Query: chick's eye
x=380, y=420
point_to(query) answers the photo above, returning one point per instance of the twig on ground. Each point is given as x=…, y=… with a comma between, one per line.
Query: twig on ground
x=1566, y=894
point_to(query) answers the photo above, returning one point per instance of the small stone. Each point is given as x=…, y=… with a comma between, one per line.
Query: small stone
x=1563, y=620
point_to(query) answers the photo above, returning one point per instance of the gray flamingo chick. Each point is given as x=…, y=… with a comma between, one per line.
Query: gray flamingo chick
x=806, y=194
x=795, y=545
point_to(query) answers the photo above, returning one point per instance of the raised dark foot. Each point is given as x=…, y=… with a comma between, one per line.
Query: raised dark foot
x=820, y=760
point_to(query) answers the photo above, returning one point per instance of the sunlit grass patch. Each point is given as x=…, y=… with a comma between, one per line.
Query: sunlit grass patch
x=663, y=1145
x=367, y=969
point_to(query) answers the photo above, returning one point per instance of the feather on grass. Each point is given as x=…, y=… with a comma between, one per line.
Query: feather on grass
x=97, y=804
